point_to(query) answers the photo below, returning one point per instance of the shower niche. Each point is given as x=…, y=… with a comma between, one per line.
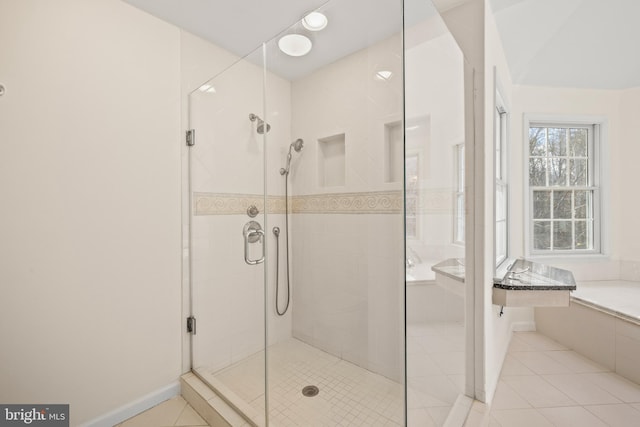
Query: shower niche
x=331, y=161
x=394, y=152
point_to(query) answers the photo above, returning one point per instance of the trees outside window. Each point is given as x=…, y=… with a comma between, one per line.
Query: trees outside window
x=563, y=189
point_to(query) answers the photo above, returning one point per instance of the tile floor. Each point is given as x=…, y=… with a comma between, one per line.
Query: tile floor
x=544, y=384
x=435, y=371
x=173, y=412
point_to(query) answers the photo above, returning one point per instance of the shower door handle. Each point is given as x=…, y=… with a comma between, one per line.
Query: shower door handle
x=253, y=233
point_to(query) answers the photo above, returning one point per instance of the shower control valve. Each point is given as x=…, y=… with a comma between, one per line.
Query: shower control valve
x=252, y=211
x=253, y=233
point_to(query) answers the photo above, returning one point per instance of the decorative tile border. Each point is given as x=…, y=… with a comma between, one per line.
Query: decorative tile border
x=234, y=204
x=350, y=203
x=433, y=201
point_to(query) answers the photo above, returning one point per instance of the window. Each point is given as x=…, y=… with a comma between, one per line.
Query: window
x=563, y=186
x=458, y=208
x=411, y=195
x=501, y=118
x=501, y=189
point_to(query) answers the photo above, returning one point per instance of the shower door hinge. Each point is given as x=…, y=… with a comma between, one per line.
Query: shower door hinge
x=191, y=325
x=191, y=137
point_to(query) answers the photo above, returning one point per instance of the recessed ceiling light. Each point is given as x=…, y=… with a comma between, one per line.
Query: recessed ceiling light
x=315, y=21
x=294, y=44
x=384, y=75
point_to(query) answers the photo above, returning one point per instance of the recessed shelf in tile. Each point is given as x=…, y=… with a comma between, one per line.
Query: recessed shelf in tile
x=393, y=152
x=331, y=161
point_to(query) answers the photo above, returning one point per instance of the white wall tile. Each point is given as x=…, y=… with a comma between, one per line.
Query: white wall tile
x=627, y=350
x=584, y=330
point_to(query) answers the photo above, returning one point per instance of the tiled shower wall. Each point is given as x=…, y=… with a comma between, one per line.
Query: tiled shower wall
x=349, y=265
x=228, y=170
x=347, y=232
x=347, y=236
x=347, y=242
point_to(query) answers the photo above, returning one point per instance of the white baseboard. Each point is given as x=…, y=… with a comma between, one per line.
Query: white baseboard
x=129, y=410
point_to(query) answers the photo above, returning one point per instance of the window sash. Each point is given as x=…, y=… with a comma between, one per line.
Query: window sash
x=590, y=221
x=501, y=188
x=458, y=196
x=566, y=235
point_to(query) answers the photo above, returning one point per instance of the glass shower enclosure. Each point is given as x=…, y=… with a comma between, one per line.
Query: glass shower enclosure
x=297, y=225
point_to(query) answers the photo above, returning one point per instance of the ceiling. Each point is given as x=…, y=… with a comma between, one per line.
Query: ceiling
x=559, y=43
x=571, y=43
x=241, y=26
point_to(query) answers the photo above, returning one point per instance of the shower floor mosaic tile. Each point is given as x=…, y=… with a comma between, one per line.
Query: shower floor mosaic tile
x=348, y=395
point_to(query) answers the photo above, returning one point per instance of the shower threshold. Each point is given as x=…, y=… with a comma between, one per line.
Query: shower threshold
x=346, y=393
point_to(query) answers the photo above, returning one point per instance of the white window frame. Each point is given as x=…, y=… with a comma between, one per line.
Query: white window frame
x=501, y=132
x=416, y=213
x=600, y=181
x=459, y=209
x=501, y=120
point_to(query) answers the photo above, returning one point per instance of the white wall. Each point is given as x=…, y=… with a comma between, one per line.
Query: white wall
x=90, y=180
x=624, y=155
x=474, y=28
x=498, y=328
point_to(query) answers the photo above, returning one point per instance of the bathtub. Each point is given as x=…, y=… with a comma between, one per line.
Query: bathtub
x=426, y=301
x=602, y=323
x=420, y=273
x=618, y=298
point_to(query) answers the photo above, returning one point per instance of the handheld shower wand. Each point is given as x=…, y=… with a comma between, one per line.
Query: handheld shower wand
x=297, y=146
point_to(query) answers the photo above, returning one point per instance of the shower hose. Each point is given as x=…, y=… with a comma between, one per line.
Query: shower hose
x=286, y=228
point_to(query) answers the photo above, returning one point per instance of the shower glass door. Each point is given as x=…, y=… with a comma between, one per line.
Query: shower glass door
x=302, y=166
x=438, y=360
x=228, y=226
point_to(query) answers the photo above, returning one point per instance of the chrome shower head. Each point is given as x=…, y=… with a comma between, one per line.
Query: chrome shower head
x=261, y=124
